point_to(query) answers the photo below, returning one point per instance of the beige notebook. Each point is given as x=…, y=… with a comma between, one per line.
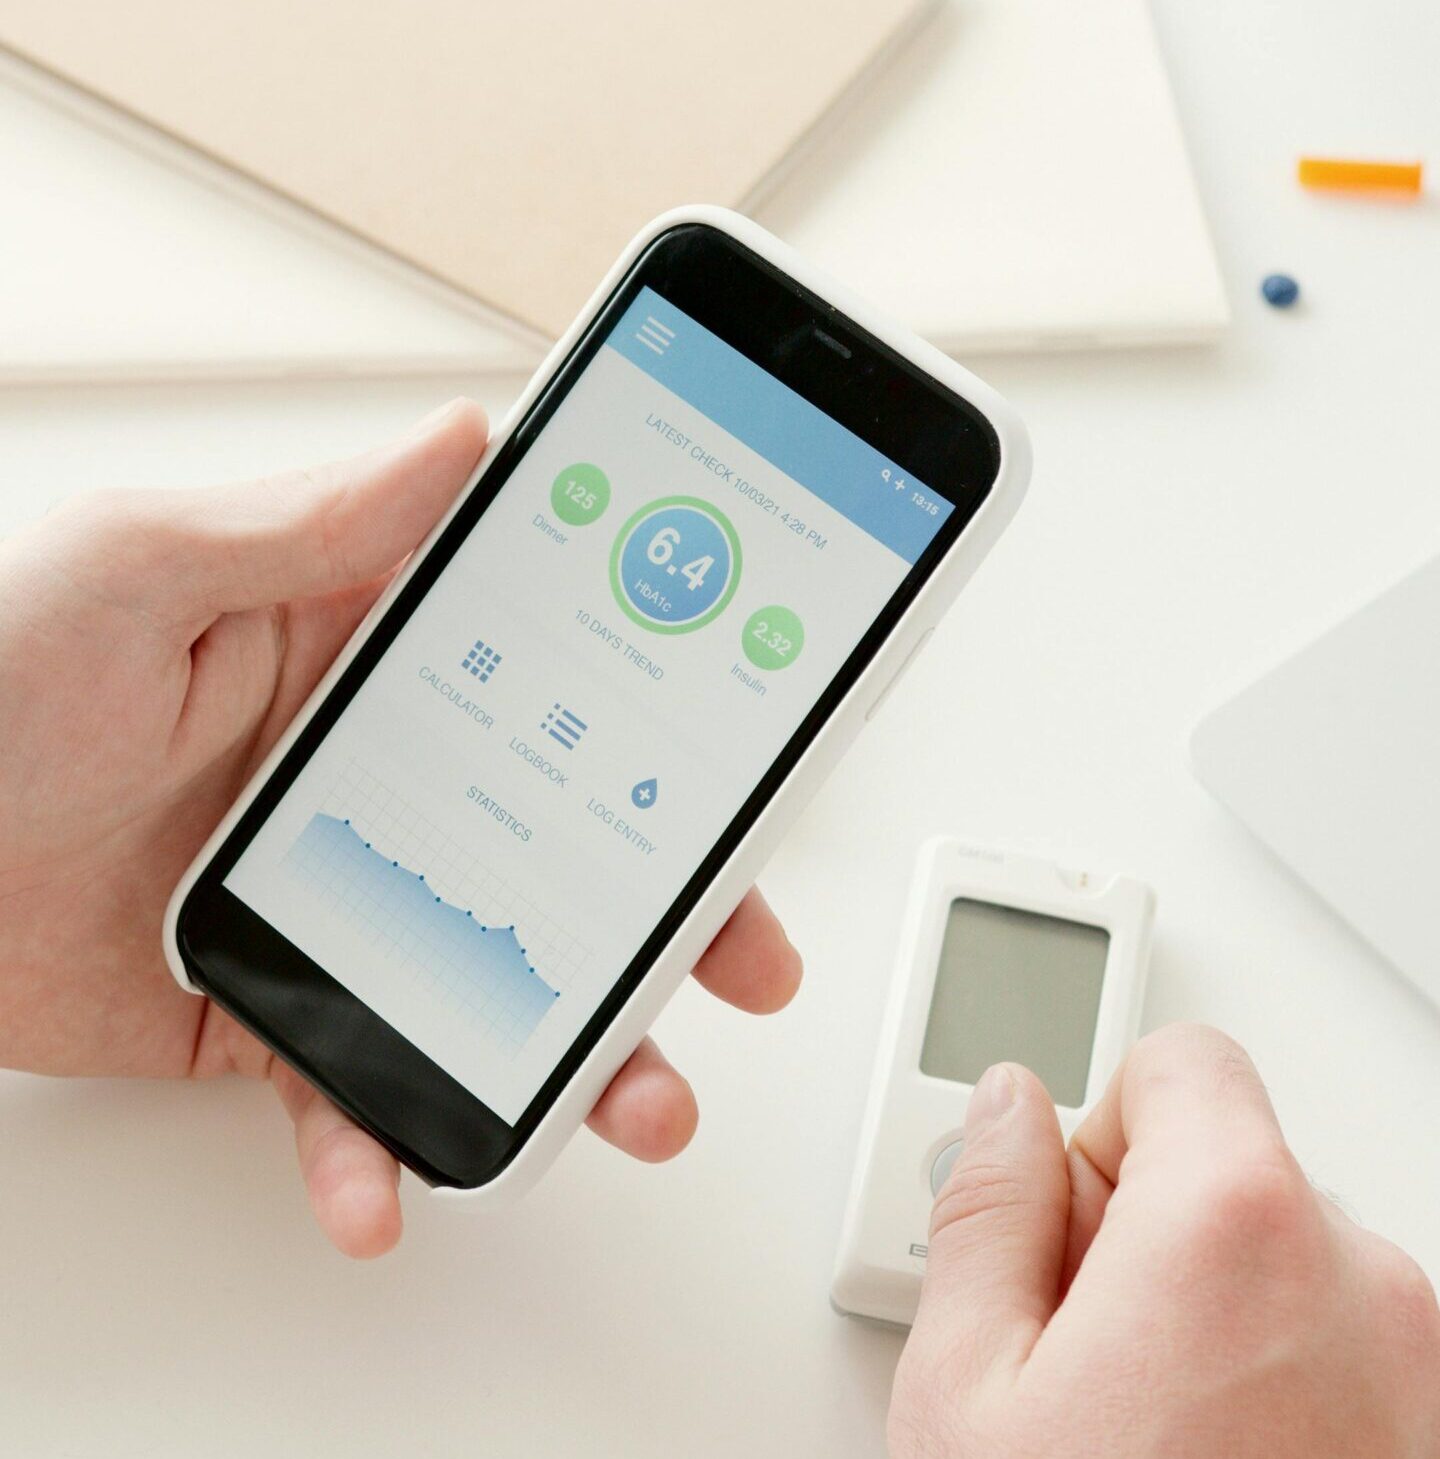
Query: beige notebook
x=508, y=148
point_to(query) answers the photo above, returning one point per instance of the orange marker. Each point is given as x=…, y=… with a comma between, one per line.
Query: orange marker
x=1393, y=177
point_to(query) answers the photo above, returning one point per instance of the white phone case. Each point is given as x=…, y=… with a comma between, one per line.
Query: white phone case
x=710, y=913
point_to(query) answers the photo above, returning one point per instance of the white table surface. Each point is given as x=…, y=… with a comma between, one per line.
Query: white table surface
x=1193, y=517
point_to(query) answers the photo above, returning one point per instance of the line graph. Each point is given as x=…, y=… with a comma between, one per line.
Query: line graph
x=449, y=923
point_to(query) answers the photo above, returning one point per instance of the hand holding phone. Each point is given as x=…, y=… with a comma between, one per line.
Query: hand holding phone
x=153, y=645
x=715, y=529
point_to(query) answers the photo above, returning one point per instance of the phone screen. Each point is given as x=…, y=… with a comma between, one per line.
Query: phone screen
x=676, y=568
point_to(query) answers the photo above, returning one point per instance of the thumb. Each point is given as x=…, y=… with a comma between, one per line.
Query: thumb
x=195, y=555
x=997, y=1234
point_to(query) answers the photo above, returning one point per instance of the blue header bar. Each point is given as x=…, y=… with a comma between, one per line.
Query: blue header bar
x=781, y=425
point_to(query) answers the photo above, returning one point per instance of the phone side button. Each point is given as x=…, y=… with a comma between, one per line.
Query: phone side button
x=910, y=658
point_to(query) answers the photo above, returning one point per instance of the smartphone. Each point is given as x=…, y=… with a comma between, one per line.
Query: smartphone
x=720, y=521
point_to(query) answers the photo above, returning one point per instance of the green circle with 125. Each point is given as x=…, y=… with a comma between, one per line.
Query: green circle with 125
x=773, y=637
x=675, y=565
x=580, y=494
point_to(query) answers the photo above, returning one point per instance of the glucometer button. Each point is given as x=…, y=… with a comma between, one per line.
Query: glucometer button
x=944, y=1164
x=910, y=658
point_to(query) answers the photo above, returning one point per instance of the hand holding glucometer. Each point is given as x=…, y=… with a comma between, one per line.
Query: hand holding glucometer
x=718, y=524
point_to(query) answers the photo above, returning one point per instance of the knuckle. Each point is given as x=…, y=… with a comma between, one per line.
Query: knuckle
x=98, y=510
x=118, y=532
x=1258, y=1203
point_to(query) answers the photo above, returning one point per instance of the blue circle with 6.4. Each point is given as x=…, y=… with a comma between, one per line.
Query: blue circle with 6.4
x=676, y=564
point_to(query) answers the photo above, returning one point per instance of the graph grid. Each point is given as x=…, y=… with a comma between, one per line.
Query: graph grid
x=453, y=925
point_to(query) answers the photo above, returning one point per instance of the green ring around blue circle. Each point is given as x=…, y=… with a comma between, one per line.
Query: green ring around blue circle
x=721, y=603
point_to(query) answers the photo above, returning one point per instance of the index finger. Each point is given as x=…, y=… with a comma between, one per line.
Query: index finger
x=1185, y=1090
x=1186, y=1100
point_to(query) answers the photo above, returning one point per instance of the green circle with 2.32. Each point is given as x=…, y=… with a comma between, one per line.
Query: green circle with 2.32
x=580, y=494
x=773, y=637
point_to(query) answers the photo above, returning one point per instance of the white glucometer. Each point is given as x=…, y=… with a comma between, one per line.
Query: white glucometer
x=1001, y=958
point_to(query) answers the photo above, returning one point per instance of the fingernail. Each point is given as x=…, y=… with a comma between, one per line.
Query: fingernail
x=426, y=424
x=994, y=1094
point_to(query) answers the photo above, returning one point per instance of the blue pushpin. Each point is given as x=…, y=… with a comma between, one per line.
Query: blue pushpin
x=1279, y=290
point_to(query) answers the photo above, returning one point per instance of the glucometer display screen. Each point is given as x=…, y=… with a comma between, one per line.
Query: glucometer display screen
x=1020, y=986
x=670, y=577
